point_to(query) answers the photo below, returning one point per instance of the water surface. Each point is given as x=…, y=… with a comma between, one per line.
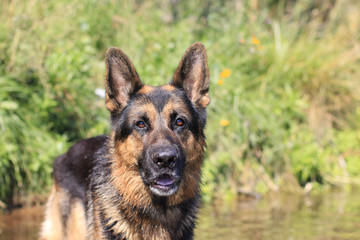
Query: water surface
x=330, y=216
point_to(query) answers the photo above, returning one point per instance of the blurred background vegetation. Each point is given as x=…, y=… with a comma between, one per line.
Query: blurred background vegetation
x=285, y=111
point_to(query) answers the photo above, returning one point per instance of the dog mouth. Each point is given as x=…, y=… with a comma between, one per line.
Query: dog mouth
x=164, y=185
x=164, y=181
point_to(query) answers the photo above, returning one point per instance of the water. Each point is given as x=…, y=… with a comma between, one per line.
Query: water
x=21, y=224
x=331, y=216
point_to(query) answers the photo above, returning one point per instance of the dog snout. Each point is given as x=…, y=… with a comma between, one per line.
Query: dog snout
x=164, y=156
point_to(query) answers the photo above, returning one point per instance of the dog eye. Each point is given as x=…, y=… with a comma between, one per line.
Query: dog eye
x=179, y=122
x=140, y=124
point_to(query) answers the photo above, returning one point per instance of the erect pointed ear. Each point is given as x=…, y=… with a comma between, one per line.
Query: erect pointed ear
x=192, y=75
x=121, y=80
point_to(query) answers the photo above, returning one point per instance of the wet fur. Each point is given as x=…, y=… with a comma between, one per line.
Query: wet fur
x=102, y=185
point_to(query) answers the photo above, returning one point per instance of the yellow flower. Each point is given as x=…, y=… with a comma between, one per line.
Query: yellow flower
x=224, y=122
x=221, y=81
x=254, y=40
x=242, y=40
x=225, y=73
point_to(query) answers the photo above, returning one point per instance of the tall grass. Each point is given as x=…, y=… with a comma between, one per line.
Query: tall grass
x=284, y=85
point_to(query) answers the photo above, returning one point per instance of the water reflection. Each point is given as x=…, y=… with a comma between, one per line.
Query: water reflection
x=21, y=224
x=290, y=217
x=332, y=216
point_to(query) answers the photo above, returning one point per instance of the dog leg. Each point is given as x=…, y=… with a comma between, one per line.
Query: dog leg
x=52, y=227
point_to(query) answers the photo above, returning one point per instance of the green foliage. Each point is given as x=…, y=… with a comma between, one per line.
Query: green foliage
x=27, y=144
x=284, y=84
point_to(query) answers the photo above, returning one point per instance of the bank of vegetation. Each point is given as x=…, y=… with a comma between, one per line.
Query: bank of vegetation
x=285, y=79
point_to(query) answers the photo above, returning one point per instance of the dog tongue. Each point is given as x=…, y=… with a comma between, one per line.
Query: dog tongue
x=165, y=180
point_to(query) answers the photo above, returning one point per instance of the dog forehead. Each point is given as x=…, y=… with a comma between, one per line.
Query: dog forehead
x=161, y=96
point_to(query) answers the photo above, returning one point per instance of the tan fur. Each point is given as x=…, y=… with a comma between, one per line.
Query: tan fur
x=148, y=108
x=146, y=89
x=76, y=227
x=190, y=183
x=168, y=87
x=110, y=105
x=174, y=104
x=52, y=228
x=95, y=232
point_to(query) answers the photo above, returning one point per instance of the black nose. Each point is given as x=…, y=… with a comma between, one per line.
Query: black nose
x=165, y=156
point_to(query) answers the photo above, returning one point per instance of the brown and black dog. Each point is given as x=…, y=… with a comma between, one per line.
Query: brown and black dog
x=142, y=181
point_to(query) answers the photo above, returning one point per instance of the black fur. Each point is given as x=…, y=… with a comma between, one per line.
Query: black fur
x=71, y=170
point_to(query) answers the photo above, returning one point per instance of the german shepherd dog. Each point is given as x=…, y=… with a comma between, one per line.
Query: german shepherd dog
x=142, y=181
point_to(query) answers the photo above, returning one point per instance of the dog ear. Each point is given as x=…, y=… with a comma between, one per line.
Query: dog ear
x=192, y=75
x=121, y=80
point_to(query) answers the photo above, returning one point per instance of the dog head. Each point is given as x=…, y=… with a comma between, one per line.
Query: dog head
x=158, y=139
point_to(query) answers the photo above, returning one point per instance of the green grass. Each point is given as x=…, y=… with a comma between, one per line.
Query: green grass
x=288, y=109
